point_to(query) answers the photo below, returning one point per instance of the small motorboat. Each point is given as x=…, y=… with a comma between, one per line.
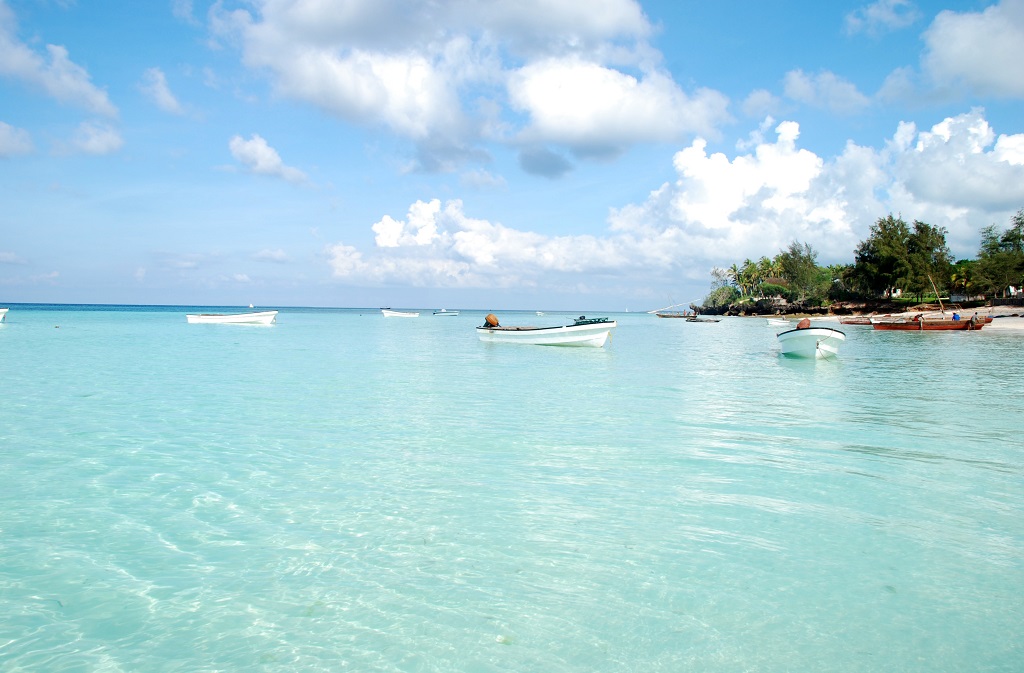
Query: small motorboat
x=256, y=318
x=388, y=313
x=445, y=311
x=779, y=322
x=583, y=331
x=805, y=341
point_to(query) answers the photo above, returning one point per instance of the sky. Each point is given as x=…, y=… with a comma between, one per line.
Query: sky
x=487, y=154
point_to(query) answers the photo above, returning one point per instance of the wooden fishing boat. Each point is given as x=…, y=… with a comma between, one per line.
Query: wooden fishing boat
x=922, y=324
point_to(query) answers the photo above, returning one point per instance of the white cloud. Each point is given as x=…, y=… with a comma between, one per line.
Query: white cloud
x=56, y=75
x=260, y=158
x=10, y=258
x=154, y=85
x=718, y=210
x=980, y=50
x=761, y=103
x=585, y=105
x=881, y=16
x=825, y=90
x=449, y=74
x=14, y=141
x=278, y=256
x=96, y=138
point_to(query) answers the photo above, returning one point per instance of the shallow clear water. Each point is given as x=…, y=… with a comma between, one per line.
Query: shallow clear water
x=344, y=492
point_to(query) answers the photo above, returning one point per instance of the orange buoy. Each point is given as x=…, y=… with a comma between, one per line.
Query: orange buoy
x=491, y=320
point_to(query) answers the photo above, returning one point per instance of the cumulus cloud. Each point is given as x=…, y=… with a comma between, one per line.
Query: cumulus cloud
x=449, y=74
x=260, y=158
x=881, y=17
x=825, y=90
x=154, y=85
x=55, y=74
x=96, y=138
x=978, y=50
x=593, y=108
x=14, y=141
x=958, y=174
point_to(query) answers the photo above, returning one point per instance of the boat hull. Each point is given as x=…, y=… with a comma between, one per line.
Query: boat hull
x=811, y=342
x=592, y=335
x=927, y=325
x=388, y=313
x=446, y=312
x=3, y=313
x=257, y=318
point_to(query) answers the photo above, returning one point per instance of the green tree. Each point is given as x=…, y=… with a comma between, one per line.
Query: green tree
x=800, y=269
x=882, y=262
x=1001, y=256
x=930, y=260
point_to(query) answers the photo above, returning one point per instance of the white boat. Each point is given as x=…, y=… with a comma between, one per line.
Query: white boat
x=388, y=313
x=257, y=318
x=591, y=332
x=778, y=322
x=445, y=311
x=3, y=313
x=811, y=342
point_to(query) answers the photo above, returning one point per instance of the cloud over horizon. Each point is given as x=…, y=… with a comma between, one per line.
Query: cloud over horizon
x=719, y=210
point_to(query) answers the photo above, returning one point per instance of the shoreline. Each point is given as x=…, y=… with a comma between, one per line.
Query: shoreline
x=1004, y=317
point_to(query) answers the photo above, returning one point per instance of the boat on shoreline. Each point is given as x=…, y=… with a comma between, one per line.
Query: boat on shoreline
x=255, y=318
x=593, y=332
x=811, y=342
x=388, y=313
x=921, y=324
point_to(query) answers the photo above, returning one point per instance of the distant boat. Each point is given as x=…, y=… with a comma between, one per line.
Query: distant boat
x=388, y=313
x=3, y=313
x=778, y=322
x=445, y=311
x=583, y=331
x=672, y=314
x=855, y=320
x=701, y=318
x=811, y=342
x=922, y=324
x=257, y=318
x=540, y=312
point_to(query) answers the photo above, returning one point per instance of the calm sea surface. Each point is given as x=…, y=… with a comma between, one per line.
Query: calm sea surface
x=345, y=492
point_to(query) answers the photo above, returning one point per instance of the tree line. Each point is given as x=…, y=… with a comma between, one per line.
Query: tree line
x=897, y=259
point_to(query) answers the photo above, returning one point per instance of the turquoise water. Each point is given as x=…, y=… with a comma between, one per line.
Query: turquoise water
x=344, y=492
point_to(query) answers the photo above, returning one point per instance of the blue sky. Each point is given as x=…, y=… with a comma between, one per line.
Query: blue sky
x=559, y=154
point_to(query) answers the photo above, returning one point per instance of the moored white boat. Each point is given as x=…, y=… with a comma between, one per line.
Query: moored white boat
x=778, y=322
x=3, y=313
x=388, y=313
x=591, y=332
x=445, y=311
x=255, y=318
x=811, y=342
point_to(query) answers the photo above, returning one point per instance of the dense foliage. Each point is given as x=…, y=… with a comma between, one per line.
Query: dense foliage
x=897, y=259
